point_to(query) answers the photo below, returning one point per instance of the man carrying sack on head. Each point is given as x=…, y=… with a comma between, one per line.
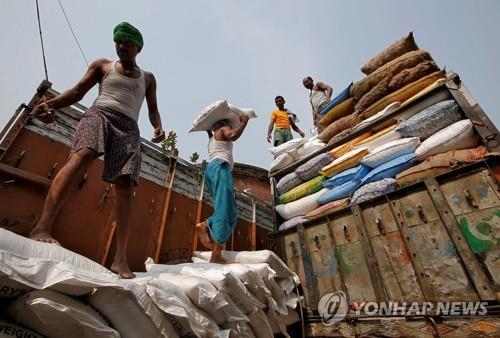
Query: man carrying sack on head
x=109, y=127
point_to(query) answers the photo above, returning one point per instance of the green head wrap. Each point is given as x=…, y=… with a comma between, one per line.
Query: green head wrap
x=126, y=32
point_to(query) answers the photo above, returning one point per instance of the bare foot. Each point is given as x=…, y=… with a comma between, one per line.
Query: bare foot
x=204, y=234
x=44, y=237
x=122, y=269
x=216, y=256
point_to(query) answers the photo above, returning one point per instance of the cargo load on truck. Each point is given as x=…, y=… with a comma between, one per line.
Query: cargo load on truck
x=399, y=207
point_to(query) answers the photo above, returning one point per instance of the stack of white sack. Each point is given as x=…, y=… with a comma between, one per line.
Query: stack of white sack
x=57, y=275
x=248, y=299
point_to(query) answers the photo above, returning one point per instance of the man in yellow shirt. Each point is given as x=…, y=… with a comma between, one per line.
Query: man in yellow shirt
x=282, y=121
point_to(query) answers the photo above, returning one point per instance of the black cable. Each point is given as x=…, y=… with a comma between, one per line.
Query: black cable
x=72, y=32
x=41, y=41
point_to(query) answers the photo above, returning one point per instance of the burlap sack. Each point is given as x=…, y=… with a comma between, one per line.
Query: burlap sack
x=408, y=60
x=398, y=48
x=441, y=163
x=412, y=74
x=338, y=126
x=376, y=93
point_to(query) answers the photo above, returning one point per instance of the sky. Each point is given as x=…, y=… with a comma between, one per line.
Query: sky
x=246, y=52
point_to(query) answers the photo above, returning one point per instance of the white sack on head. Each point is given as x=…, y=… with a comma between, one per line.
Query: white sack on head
x=220, y=110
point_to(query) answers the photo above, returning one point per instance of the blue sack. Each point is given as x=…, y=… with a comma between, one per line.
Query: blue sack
x=347, y=175
x=344, y=95
x=342, y=191
x=390, y=168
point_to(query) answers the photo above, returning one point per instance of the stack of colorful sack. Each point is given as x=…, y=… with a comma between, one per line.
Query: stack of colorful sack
x=371, y=165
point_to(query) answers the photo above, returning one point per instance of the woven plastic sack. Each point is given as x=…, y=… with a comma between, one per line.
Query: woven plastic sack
x=286, y=147
x=460, y=135
x=56, y=315
x=377, y=117
x=349, y=160
x=412, y=74
x=327, y=209
x=281, y=161
x=390, y=69
x=430, y=120
x=347, y=175
x=389, y=169
x=292, y=223
x=390, y=151
x=299, y=207
x=309, y=148
x=288, y=182
x=342, y=109
x=374, y=189
x=9, y=330
x=9, y=288
x=396, y=49
x=349, y=145
x=403, y=94
x=440, y=163
x=343, y=96
x=379, y=139
x=312, y=167
x=377, y=92
x=304, y=189
x=339, y=192
x=439, y=82
x=220, y=110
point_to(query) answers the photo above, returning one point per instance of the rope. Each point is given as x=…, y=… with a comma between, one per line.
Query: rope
x=41, y=41
x=72, y=32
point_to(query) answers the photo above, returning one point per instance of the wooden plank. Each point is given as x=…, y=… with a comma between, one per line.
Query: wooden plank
x=483, y=125
x=197, y=219
x=391, y=254
x=306, y=262
x=323, y=260
x=472, y=192
x=10, y=134
x=166, y=207
x=25, y=175
x=373, y=268
x=481, y=230
x=468, y=258
x=417, y=264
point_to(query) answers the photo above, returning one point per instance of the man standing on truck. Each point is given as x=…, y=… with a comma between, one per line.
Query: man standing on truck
x=108, y=127
x=320, y=95
x=215, y=231
x=281, y=121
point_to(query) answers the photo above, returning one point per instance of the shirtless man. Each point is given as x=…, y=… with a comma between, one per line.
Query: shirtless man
x=108, y=127
x=215, y=231
x=319, y=97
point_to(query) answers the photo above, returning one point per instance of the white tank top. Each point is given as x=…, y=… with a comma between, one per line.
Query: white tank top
x=222, y=150
x=318, y=98
x=121, y=94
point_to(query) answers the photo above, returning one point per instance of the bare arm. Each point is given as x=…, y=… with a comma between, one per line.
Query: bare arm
x=297, y=129
x=324, y=87
x=234, y=134
x=153, y=113
x=270, y=130
x=93, y=74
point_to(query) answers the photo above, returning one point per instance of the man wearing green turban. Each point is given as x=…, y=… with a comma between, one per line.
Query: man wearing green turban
x=109, y=128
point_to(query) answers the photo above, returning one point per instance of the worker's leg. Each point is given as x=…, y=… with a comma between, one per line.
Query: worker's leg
x=64, y=184
x=221, y=224
x=124, y=191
